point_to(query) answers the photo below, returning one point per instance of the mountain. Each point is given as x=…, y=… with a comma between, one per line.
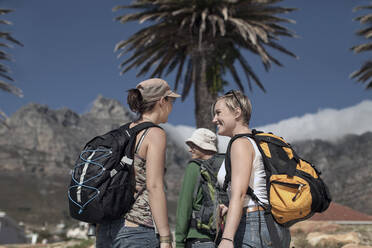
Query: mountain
x=39, y=146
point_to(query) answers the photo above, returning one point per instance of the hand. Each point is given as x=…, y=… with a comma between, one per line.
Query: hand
x=226, y=244
x=223, y=209
x=166, y=245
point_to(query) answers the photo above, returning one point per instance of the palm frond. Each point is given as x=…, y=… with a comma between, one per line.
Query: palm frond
x=175, y=61
x=7, y=36
x=182, y=11
x=141, y=59
x=6, y=76
x=188, y=79
x=282, y=49
x=5, y=56
x=367, y=66
x=151, y=62
x=366, y=32
x=11, y=89
x=135, y=5
x=236, y=77
x=362, y=47
x=5, y=11
x=5, y=22
x=163, y=63
x=364, y=74
x=362, y=7
x=249, y=73
x=179, y=72
x=5, y=70
x=221, y=25
x=364, y=19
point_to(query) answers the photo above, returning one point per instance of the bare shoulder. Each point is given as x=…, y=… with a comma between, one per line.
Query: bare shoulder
x=157, y=134
x=242, y=145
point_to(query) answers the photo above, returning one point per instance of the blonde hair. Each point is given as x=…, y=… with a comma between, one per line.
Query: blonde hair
x=236, y=99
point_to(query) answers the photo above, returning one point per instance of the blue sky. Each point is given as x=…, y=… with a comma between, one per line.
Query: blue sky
x=68, y=59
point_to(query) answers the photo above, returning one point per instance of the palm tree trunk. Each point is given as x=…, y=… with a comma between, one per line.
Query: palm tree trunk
x=203, y=97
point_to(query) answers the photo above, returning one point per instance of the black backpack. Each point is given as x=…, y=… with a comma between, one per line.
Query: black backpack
x=102, y=181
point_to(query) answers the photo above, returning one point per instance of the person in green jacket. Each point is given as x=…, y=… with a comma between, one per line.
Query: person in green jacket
x=202, y=146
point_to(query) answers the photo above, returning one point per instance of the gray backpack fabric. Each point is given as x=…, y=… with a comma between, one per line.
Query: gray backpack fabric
x=205, y=219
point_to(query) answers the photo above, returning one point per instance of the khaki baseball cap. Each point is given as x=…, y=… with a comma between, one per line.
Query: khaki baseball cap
x=155, y=88
x=204, y=138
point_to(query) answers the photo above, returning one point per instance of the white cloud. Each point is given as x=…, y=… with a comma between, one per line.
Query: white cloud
x=326, y=124
x=178, y=133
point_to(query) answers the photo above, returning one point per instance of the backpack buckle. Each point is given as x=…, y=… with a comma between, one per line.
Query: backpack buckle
x=113, y=172
x=127, y=160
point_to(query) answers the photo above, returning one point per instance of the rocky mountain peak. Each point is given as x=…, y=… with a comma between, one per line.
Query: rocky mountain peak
x=104, y=108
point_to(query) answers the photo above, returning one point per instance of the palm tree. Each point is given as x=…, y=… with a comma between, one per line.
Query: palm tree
x=203, y=40
x=4, y=56
x=364, y=74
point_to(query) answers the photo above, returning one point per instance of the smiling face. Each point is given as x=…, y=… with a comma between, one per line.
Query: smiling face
x=195, y=151
x=224, y=118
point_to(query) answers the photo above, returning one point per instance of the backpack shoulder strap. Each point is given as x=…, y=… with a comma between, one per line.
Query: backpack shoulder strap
x=219, y=158
x=228, y=157
x=270, y=138
x=124, y=129
x=276, y=145
x=141, y=140
x=131, y=134
x=139, y=127
x=197, y=184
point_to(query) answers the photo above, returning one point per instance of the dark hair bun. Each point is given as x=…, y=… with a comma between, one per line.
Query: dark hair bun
x=135, y=100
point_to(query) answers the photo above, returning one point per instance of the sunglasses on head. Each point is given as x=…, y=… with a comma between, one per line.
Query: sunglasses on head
x=231, y=92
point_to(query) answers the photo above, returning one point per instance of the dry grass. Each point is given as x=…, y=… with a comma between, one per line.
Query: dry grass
x=364, y=231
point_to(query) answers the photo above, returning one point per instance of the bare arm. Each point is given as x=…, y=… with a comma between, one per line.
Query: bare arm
x=155, y=159
x=242, y=155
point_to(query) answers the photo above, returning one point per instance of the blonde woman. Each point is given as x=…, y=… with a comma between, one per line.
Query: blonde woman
x=153, y=101
x=245, y=222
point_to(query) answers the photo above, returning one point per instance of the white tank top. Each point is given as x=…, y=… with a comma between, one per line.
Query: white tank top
x=257, y=181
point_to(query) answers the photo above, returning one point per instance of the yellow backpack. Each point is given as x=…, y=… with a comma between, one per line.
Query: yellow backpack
x=294, y=188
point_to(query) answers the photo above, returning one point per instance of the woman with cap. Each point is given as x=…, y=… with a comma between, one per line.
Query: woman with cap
x=245, y=224
x=202, y=147
x=152, y=100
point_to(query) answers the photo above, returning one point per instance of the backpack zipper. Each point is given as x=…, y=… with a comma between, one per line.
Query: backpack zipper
x=297, y=186
x=298, y=191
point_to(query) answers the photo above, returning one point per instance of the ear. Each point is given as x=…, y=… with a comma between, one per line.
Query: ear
x=237, y=113
x=162, y=101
